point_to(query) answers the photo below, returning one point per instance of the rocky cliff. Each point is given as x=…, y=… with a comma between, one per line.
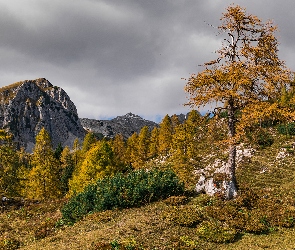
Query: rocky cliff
x=27, y=106
x=125, y=125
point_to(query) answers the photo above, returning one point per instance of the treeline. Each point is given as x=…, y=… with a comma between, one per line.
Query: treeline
x=53, y=173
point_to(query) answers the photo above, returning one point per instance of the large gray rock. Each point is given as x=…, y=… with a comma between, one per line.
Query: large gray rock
x=28, y=106
x=212, y=177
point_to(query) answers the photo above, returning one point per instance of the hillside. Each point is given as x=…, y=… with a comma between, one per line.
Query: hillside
x=171, y=223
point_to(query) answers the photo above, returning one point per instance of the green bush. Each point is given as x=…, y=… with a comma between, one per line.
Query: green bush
x=286, y=129
x=260, y=136
x=122, y=191
x=79, y=205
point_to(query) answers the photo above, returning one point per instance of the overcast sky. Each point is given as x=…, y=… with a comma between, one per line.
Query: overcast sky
x=118, y=56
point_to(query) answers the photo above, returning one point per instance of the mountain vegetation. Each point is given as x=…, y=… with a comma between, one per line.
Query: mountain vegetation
x=150, y=190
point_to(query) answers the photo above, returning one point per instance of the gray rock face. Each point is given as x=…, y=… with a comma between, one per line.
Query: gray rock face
x=125, y=125
x=28, y=106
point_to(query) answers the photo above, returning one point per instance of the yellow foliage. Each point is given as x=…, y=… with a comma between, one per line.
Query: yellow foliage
x=43, y=179
x=154, y=143
x=119, y=149
x=9, y=164
x=98, y=162
x=165, y=136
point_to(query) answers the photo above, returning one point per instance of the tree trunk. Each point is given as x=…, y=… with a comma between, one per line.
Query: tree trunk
x=230, y=183
x=223, y=182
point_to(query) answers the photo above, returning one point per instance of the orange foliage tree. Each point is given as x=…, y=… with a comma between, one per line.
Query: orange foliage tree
x=247, y=78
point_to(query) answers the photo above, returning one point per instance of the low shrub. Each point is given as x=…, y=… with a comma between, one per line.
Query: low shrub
x=286, y=129
x=122, y=191
x=279, y=213
x=9, y=244
x=188, y=243
x=116, y=245
x=176, y=200
x=260, y=136
x=214, y=231
x=45, y=229
x=256, y=222
x=247, y=198
x=186, y=216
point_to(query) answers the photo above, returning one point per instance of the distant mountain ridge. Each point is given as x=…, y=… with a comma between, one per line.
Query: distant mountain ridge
x=125, y=125
x=28, y=106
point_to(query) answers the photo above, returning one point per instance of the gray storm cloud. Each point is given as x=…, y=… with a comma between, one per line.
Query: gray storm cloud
x=113, y=56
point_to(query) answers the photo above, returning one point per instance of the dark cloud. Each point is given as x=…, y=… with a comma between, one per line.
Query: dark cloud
x=113, y=56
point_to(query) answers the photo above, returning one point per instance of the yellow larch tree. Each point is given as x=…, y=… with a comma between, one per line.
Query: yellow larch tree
x=67, y=169
x=246, y=79
x=77, y=155
x=188, y=140
x=154, y=143
x=165, y=136
x=132, y=150
x=43, y=179
x=143, y=146
x=9, y=165
x=119, y=149
x=98, y=162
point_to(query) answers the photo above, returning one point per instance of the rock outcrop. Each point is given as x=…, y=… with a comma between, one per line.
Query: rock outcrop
x=211, y=179
x=125, y=125
x=27, y=106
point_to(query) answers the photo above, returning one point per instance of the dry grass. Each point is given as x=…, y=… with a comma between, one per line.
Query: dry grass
x=148, y=227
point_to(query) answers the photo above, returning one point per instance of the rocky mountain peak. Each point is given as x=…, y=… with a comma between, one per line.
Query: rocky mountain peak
x=132, y=116
x=27, y=106
x=125, y=125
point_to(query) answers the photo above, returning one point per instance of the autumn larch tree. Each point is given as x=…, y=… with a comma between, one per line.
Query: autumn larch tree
x=154, y=143
x=67, y=169
x=131, y=150
x=98, y=163
x=143, y=145
x=165, y=136
x=119, y=149
x=9, y=165
x=247, y=79
x=43, y=179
